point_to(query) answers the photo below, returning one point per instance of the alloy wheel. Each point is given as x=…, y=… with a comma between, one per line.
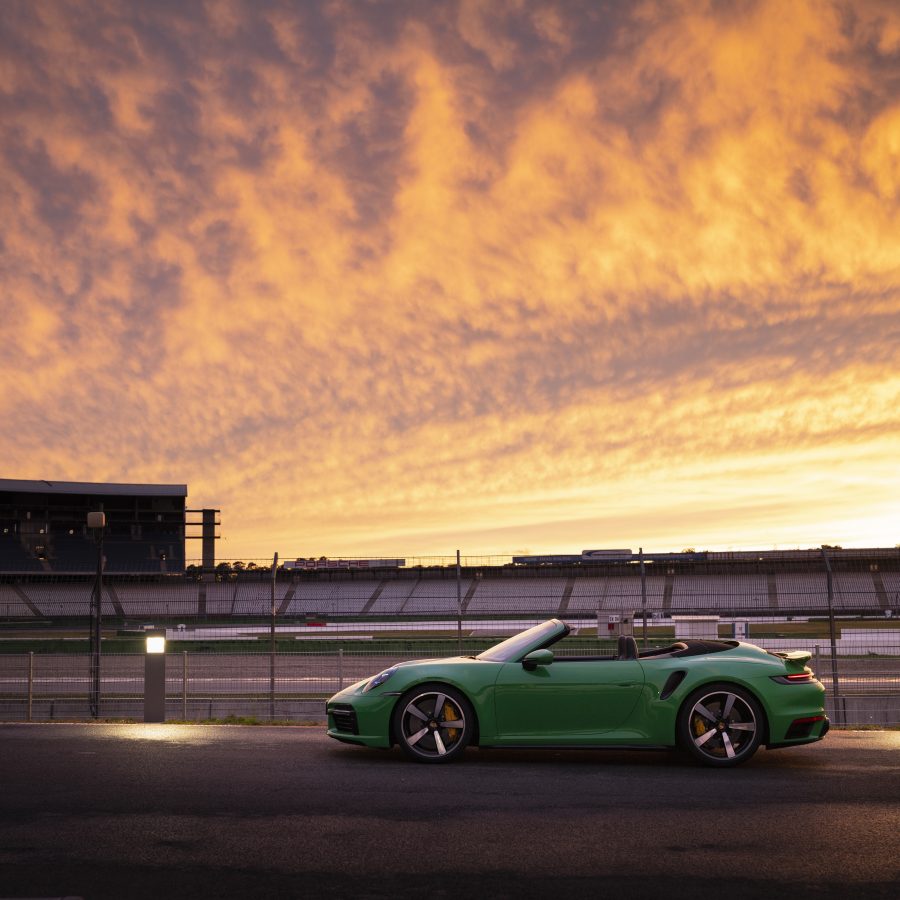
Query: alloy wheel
x=432, y=725
x=723, y=727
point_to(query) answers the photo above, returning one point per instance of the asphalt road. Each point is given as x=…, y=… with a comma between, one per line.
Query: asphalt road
x=181, y=811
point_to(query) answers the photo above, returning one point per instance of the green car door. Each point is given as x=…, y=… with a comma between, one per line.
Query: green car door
x=566, y=702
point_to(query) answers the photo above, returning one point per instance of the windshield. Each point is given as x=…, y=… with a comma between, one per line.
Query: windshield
x=533, y=639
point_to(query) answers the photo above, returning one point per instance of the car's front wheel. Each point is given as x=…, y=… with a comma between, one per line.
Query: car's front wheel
x=433, y=723
x=721, y=725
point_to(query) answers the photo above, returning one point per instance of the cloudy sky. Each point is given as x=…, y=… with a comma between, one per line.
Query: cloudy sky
x=382, y=278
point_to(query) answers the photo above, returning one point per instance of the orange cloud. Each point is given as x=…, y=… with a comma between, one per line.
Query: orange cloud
x=397, y=279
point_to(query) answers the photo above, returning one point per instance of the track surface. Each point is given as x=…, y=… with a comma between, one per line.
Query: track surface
x=135, y=811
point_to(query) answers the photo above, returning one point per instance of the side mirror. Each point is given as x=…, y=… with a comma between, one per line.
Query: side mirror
x=538, y=658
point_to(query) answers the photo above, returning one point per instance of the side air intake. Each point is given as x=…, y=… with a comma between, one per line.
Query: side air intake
x=672, y=682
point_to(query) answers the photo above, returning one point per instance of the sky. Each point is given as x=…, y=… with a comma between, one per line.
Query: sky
x=402, y=278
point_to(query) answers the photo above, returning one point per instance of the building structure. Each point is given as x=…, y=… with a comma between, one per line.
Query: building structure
x=43, y=526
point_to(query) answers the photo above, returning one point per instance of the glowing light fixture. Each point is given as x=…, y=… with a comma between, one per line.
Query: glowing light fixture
x=155, y=677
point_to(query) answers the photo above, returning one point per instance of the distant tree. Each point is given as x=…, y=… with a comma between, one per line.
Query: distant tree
x=689, y=550
x=832, y=547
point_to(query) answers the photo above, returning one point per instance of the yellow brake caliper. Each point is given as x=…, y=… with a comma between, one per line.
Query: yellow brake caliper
x=450, y=713
x=699, y=726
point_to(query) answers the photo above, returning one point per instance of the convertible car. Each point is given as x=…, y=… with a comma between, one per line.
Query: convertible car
x=717, y=700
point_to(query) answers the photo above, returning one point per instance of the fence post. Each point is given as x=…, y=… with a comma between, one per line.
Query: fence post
x=30, y=681
x=834, y=665
x=340, y=668
x=272, y=642
x=97, y=522
x=458, y=605
x=184, y=674
x=643, y=594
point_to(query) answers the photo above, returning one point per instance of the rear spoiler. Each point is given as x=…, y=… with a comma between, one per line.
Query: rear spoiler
x=793, y=658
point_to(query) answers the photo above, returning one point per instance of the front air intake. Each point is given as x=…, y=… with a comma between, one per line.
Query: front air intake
x=344, y=717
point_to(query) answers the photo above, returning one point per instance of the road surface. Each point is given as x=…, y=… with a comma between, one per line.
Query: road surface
x=141, y=811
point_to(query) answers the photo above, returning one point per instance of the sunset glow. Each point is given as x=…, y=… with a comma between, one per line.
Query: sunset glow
x=401, y=278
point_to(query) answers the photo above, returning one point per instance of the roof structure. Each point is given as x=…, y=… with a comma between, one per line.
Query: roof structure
x=95, y=488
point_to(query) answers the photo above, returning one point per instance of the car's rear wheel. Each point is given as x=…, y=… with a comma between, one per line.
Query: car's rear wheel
x=721, y=725
x=433, y=723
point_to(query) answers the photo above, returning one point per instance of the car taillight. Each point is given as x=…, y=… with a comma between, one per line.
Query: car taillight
x=794, y=678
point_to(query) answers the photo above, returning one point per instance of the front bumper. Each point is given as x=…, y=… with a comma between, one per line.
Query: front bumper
x=358, y=718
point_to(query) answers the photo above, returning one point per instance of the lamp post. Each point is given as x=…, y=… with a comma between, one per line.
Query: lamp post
x=97, y=522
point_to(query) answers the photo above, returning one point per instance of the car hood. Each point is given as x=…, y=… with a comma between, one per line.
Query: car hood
x=443, y=660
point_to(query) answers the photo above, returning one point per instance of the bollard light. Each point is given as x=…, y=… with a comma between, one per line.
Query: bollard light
x=155, y=678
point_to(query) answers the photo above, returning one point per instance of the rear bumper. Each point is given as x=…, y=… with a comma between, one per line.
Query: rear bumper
x=815, y=732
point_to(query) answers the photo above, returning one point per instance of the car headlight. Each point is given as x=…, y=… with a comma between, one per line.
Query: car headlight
x=378, y=679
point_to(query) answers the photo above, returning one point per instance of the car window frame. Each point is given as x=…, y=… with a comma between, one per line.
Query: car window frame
x=517, y=652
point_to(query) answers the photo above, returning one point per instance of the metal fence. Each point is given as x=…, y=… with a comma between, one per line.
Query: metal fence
x=248, y=641
x=862, y=681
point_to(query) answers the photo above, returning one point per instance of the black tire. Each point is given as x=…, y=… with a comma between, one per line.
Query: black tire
x=720, y=725
x=433, y=723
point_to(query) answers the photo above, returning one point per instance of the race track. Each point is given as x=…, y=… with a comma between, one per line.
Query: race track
x=141, y=811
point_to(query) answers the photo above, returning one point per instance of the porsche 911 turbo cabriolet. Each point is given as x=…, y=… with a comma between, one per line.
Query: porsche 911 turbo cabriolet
x=718, y=700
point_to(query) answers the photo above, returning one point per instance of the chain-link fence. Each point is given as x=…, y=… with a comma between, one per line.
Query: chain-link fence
x=291, y=685
x=249, y=641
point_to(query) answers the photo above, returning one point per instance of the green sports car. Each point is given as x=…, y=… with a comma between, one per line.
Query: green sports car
x=718, y=700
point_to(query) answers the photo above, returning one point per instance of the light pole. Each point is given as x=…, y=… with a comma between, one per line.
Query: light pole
x=97, y=522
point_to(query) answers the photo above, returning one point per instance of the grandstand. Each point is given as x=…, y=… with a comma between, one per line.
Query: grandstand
x=337, y=620
x=757, y=585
